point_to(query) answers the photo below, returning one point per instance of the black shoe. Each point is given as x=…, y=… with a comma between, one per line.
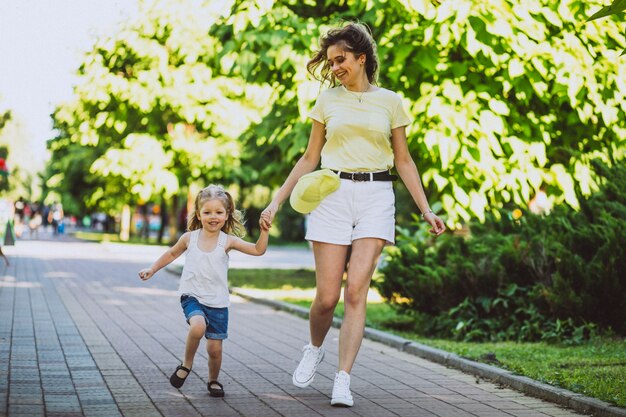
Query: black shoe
x=215, y=392
x=177, y=381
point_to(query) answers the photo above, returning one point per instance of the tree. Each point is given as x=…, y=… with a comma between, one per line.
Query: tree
x=616, y=7
x=148, y=116
x=20, y=162
x=4, y=118
x=508, y=96
x=17, y=170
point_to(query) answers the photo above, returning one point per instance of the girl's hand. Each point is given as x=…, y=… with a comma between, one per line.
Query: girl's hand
x=438, y=227
x=263, y=226
x=146, y=273
x=267, y=216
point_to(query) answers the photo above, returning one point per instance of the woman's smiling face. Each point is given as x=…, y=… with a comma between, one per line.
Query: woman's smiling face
x=346, y=67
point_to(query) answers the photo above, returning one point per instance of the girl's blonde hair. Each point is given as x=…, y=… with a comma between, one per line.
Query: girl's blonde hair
x=234, y=224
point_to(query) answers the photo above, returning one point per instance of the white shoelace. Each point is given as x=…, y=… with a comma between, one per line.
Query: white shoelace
x=341, y=387
x=309, y=361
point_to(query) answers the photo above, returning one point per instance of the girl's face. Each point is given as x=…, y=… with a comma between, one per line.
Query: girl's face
x=347, y=67
x=212, y=215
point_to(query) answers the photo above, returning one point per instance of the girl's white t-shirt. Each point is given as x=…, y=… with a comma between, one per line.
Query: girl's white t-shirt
x=358, y=132
x=205, y=274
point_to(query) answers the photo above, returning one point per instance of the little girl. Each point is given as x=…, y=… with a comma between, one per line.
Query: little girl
x=214, y=228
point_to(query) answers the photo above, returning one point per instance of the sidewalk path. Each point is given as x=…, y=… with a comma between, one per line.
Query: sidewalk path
x=81, y=335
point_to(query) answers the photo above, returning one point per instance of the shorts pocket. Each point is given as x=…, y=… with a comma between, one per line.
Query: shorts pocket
x=185, y=300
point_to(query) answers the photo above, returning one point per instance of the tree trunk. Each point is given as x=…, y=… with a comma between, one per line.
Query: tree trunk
x=173, y=220
x=164, y=216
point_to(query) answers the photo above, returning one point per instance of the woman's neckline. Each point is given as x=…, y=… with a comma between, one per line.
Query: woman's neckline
x=372, y=89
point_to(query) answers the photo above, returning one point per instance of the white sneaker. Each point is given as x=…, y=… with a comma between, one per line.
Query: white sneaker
x=305, y=372
x=342, y=397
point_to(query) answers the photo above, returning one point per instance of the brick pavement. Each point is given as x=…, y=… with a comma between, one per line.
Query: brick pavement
x=81, y=335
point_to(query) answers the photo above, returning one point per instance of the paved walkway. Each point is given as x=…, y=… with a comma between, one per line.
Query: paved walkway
x=81, y=335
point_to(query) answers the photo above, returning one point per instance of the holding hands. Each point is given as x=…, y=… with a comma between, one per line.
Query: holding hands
x=267, y=216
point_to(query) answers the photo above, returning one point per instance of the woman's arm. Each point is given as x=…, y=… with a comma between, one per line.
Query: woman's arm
x=168, y=257
x=254, y=249
x=307, y=163
x=408, y=172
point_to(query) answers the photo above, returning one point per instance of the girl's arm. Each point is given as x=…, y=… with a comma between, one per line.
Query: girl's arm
x=254, y=249
x=408, y=172
x=307, y=163
x=168, y=257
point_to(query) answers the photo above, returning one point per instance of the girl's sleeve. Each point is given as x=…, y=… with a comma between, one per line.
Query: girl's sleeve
x=317, y=112
x=400, y=117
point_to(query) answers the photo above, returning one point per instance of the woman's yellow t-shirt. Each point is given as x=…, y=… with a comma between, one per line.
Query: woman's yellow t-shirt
x=358, y=133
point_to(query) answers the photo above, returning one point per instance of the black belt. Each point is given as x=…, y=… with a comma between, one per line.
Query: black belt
x=367, y=176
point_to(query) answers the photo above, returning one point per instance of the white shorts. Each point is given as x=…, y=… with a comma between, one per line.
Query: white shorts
x=356, y=210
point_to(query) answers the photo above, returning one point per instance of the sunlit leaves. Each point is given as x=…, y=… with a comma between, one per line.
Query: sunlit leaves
x=616, y=7
x=151, y=108
x=140, y=157
x=507, y=96
x=547, y=88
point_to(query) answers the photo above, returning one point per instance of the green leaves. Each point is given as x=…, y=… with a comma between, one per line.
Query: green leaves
x=616, y=7
x=507, y=96
x=151, y=112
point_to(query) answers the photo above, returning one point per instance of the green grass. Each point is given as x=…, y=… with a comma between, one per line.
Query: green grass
x=272, y=279
x=596, y=369
x=115, y=237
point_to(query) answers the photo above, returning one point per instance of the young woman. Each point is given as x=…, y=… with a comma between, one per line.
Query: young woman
x=359, y=132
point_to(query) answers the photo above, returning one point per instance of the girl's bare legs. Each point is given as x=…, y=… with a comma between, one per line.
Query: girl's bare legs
x=363, y=260
x=330, y=263
x=214, y=349
x=197, y=327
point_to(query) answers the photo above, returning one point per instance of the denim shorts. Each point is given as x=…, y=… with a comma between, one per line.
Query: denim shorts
x=216, y=318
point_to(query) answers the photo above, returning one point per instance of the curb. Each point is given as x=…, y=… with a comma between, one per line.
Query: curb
x=560, y=396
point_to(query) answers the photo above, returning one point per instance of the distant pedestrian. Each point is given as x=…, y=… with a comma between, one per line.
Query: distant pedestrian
x=55, y=218
x=3, y=256
x=213, y=230
x=33, y=225
x=20, y=216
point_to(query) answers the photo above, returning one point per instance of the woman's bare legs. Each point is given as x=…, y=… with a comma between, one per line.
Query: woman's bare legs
x=363, y=260
x=330, y=264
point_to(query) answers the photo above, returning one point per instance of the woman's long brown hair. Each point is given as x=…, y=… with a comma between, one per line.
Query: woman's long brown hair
x=355, y=38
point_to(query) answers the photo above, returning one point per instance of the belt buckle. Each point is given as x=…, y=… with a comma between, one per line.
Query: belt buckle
x=358, y=176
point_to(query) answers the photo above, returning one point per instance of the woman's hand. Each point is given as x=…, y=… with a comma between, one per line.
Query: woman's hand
x=438, y=227
x=267, y=216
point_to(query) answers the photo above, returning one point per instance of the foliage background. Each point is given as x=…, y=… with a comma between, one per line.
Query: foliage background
x=508, y=96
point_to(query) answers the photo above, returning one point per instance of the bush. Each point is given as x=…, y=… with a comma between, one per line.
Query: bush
x=291, y=224
x=536, y=278
x=511, y=315
x=589, y=252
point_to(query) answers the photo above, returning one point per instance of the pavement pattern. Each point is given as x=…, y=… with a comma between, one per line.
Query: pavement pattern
x=82, y=335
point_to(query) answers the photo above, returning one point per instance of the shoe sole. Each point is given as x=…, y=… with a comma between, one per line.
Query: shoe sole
x=341, y=403
x=307, y=383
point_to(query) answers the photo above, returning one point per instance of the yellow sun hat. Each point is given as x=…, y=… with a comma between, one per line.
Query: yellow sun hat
x=312, y=188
